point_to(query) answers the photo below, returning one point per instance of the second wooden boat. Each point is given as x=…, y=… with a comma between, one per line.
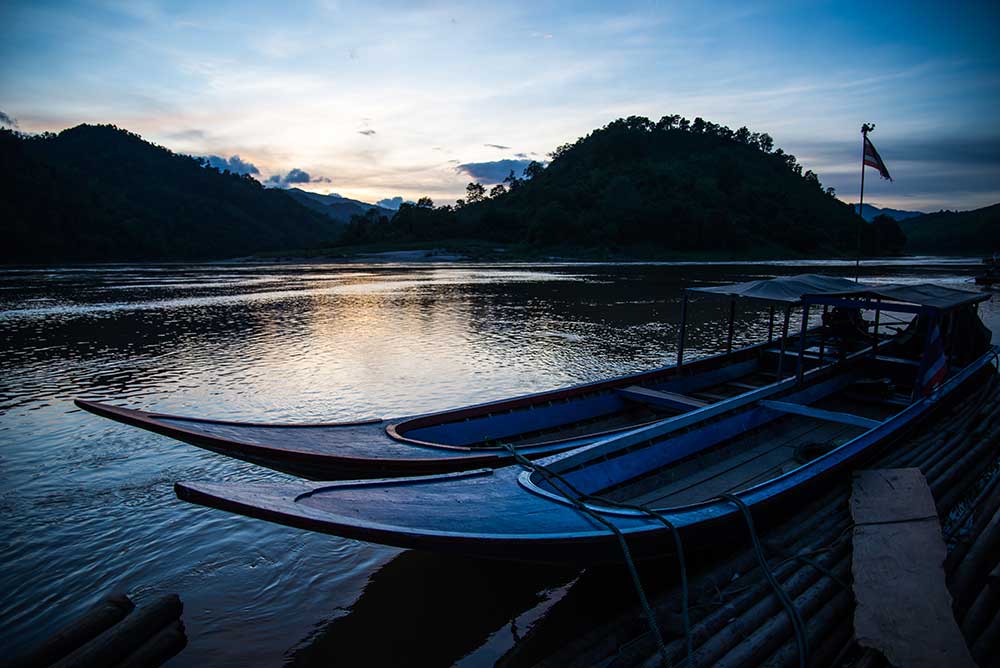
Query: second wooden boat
x=538, y=424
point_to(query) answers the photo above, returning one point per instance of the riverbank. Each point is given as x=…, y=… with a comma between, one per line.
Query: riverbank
x=466, y=250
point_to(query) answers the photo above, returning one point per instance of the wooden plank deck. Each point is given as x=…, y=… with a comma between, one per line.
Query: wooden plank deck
x=740, y=463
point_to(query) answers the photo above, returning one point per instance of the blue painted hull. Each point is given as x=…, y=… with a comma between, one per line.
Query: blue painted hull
x=514, y=514
x=460, y=439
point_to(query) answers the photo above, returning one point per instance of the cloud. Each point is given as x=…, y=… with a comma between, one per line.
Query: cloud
x=499, y=146
x=294, y=177
x=234, y=164
x=391, y=202
x=368, y=133
x=493, y=172
x=9, y=121
x=297, y=176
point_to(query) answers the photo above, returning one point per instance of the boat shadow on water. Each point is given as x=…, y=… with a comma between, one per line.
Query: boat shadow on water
x=427, y=609
x=430, y=609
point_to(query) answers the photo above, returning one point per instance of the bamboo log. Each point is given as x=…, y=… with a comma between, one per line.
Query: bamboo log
x=983, y=608
x=711, y=624
x=771, y=635
x=987, y=646
x=826, y=635
x=162, y=646
x=74, y=634
x=983, y=515
x=977, y=562
x=989, y=490
x=126, y=637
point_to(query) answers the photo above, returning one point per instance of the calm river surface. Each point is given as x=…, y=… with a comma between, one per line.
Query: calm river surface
x=87, y=505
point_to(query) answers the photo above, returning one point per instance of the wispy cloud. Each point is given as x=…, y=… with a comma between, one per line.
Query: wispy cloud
x=234, y=164
x=295, y=177
x=7, y=120
x=493, y=171
x=391, y=202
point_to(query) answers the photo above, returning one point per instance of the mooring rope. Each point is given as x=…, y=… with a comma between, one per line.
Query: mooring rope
x=576, y=498
x=801, y=639
x=553, y=477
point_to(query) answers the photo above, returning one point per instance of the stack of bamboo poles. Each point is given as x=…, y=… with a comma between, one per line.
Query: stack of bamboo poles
x=114, y=633
x=744, y=625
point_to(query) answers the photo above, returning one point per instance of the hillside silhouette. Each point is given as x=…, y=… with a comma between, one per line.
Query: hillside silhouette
x=634, y=187
x=975, y=232
x=671, y=185
x=100, y=193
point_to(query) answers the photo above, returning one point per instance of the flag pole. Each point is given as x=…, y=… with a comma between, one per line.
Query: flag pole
x=865, y=129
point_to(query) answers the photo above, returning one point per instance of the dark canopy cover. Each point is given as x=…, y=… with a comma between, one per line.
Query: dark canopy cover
x=789, y=289
x=921, y=294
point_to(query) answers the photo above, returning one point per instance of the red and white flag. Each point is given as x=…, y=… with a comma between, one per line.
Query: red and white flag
x=873, y=159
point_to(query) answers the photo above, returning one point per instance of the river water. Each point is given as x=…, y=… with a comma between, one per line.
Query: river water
x=87, y=505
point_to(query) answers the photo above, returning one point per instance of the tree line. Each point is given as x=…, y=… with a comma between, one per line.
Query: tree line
x=672, y=184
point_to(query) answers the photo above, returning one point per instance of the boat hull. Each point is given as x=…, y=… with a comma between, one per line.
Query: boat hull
x=404, y=447
x=497, y=514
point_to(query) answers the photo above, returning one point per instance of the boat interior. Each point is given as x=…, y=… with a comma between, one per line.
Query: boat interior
x=631, y=402
x=791, y=439
x=738, y=449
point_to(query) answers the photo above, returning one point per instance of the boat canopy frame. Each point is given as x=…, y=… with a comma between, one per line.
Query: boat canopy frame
x=787, y=291
x=806, y=290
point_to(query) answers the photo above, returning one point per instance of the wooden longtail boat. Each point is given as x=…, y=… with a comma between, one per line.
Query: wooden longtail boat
x=765, y=448
x=538, y=424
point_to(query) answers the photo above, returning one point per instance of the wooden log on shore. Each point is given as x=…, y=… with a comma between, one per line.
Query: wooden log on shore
x=101, y=617
x=988, y=509
x=162, y=646
x=985, y=606
x=986, y=648
x=118, y=642
x=826, y=635
x=977, y=564
x=771, y=635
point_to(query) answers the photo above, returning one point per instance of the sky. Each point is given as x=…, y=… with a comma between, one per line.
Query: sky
x=393, y=101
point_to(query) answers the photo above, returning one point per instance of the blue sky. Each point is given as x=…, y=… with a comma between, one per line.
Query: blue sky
x=377, y=100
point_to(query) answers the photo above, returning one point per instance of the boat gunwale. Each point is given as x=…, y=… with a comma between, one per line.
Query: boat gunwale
x=755, y=494
x=152, y=421
x=394, y=428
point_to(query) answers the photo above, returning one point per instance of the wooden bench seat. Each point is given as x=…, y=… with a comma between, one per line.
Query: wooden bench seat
x=651, y=397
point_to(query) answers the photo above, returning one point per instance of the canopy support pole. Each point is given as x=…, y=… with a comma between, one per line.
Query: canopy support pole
x=802, y=342
x=822, y=335
x=770, y=323
x=924, y=358
x=784, y=340
x=680, y=335
x=878, y=312
x=732, y=323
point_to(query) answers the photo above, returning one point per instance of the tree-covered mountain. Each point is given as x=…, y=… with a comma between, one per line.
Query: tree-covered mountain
x=645, y=187
x=871, y=212
x=334, y=206
x=99, y=193
x=975, y=232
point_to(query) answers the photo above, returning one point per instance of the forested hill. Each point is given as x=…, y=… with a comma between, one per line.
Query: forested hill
x=99, y=193
x=641, y=186
x=975, y=232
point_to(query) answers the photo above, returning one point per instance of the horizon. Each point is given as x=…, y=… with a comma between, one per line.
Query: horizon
x=393, y=102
